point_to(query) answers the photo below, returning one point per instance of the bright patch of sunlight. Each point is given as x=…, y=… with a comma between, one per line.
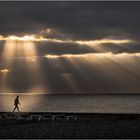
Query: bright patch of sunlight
x=4, y=71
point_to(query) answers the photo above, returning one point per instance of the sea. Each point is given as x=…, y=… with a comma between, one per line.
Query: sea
x=72, y=103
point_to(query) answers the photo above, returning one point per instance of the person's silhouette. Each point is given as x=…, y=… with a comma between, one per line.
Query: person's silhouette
x=16, y=103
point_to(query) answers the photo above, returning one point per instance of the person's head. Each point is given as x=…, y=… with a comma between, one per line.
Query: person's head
x=17, y=96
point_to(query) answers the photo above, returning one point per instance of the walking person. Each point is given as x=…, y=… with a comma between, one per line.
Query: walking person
x=16, y=103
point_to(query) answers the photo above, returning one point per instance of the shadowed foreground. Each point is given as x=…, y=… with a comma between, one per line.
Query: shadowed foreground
x=69, y=125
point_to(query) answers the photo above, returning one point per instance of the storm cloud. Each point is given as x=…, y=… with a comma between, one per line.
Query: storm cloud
x=73, y=20
x=78, y=20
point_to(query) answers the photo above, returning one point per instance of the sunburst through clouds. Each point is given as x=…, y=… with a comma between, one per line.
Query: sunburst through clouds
x=20, y=50
x=23, y=47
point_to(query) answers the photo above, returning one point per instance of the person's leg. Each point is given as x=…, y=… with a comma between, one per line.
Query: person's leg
x=18, y=109
x=14, y=109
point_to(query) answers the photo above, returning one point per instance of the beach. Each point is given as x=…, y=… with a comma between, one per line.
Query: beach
x=69, y=125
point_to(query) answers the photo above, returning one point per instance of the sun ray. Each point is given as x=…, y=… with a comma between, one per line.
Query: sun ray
x=21, y=47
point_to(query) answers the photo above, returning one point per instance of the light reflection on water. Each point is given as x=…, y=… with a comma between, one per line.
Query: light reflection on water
x=73, y=103
x=28, y=102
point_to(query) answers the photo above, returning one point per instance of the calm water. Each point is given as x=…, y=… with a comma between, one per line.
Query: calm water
x=74, y=103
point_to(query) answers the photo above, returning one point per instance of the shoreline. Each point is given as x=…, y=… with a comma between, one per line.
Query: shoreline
x=43, y=116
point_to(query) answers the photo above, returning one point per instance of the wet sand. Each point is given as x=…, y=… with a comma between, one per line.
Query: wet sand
x=69, y=125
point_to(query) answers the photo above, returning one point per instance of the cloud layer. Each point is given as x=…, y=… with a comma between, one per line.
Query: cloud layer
x=79, y=20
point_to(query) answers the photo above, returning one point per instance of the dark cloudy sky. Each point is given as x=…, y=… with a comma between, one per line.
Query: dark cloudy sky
x=79, y=20
x=71, y=61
